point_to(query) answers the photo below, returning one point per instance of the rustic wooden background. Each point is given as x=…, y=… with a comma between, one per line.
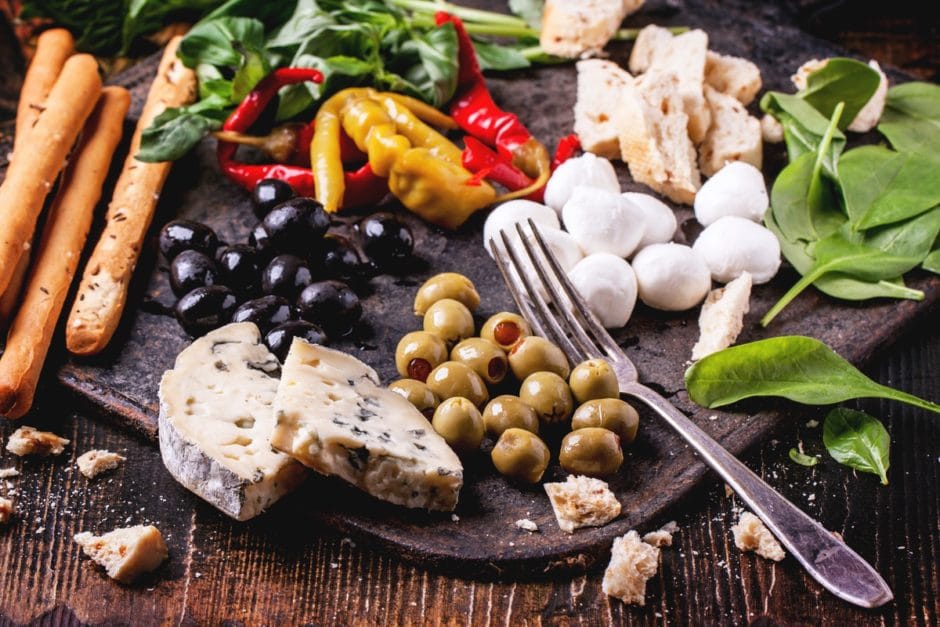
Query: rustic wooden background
x=279, y=570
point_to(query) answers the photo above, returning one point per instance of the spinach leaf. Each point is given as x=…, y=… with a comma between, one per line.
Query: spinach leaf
x=848, y=81
x=176, y=131
x=529, y=10
x=803, y=128
x=802, y=459
x=801, y=209
x=932, y=261
x=881, y=186
x=211, y=41
x=798, y=368
x=857, y=440
x=911, y=119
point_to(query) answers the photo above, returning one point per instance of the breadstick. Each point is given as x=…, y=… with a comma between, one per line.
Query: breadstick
x=53, y=47
x=59, y=250
x=31, y=175
x=103, y=291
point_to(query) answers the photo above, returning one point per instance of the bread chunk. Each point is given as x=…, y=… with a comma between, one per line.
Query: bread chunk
x=572, y=28
x=93, y=463
x=632, y=563
x=654, y=139
x=734, y=135
x=125, y=553
x=750, y=534
x=600, y=84
x=6, y=510
x=582, y=502
x=649, y=40
x=29, y=441
x=734, y=76
x=722, y=316
x=662, y=536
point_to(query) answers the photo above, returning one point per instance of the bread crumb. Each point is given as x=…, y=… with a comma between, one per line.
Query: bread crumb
x=582, y=502
x=722, y=316
x=6, y=473
x=93, y=463
x=750, y=534
x=632, y=563
x=125, y=553
x=29, y=441
x=662, y=536
x=6, y=510
x=771, y=130
x=527, y=525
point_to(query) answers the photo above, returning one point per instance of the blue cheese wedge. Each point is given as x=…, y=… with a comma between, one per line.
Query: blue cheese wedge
x=216, y=421
x=333, y=416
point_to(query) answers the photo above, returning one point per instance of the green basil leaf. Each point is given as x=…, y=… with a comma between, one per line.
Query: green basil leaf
x=798, y=368
x=307, y=18
x=881, y=186
x=434, y=75
x=848, y=81
x=211, y=41
x=803, y=128
x=803, y=459
x=96, y=26
x=146, y=16
x=498, y=57
x=177, y=130
x=252, y=68
x=529, y=10
x=911, y=119
x=858, y=440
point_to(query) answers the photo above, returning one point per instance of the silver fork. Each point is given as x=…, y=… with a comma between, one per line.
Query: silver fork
x=577, y=331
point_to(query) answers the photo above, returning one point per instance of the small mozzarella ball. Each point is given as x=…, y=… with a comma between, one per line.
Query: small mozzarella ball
x=671, y=277
x=608, y=285
x=737, y=189
x=660, y=218
x=507, y=215
x=588, y=169
x=733, y=245
x=603, y=222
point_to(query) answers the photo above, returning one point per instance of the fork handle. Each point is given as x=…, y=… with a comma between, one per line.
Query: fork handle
x=831, y=562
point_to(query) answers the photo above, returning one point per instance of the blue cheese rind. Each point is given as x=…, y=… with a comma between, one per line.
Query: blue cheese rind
x=334, y=416
x=216, y=421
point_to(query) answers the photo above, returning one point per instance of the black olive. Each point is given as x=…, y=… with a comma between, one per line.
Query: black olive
x=296, y=226
x=191, y=269
x=266, y=312
x=269, y=193
x=339, y=259
x=285, y=276
x=205, y=308
x=180, y=235
x=385, y=238
x=240, y=268
x=280, y=337
x=260, y=240
x=331, y=304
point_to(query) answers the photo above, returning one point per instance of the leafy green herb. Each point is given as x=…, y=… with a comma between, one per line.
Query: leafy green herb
x=496, y=57
x=846, y=81
x=529, y=10
x=932, y=261
x=798, y=368
x=911, y=119
x=803, y=459
x=175, y=131
x=804, y=128
x=857, y=440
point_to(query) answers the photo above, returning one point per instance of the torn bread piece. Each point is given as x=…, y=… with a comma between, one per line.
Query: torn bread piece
x=125, y=553
x=93, y=463
x=596, y=109
x=750, y=534
x=582, y=502
x=734, y=76
x=654, y=139
x=632, y=563
x=662, y=536
x=7, y=473
x=734, y=135
x=771, y=129
x=29, y=441
x=6, y=510
x=649, y=40
x=866, y=119
x=572, y=28
x=722, y=316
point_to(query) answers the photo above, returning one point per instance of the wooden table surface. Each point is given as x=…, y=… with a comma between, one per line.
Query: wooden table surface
x=280, y=570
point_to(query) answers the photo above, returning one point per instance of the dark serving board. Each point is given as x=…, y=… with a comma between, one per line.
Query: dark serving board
x=658, y=470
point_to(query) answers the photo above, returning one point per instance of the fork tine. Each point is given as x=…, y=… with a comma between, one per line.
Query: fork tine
x=580, y=305
x=548, y=321
x=516, y=290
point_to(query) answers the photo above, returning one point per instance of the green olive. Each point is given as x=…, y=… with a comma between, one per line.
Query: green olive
x=592, y=379
x=536, y=354
x=505, y=329
x=485, y=358
x=609, y=413
x=520, y=455
x=450, y=320
x=453, y=378
x=418, y=394
x=509, y=412
x=458, y=421
x=446, y=285
x=591, y=451
x=548, y=395
x=418, y=353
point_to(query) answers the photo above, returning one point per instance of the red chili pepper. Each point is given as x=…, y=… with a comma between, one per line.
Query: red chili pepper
x=480, y=159
x=567, y=146
x=363, y=187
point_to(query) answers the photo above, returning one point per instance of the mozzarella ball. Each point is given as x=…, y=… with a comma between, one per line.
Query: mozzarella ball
x=603, y=222
x=671, y=277
x=733, y=245
x=660, y=218
x=507, y=215
x=608, y=285
x=737, y=189
x=588, y=169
